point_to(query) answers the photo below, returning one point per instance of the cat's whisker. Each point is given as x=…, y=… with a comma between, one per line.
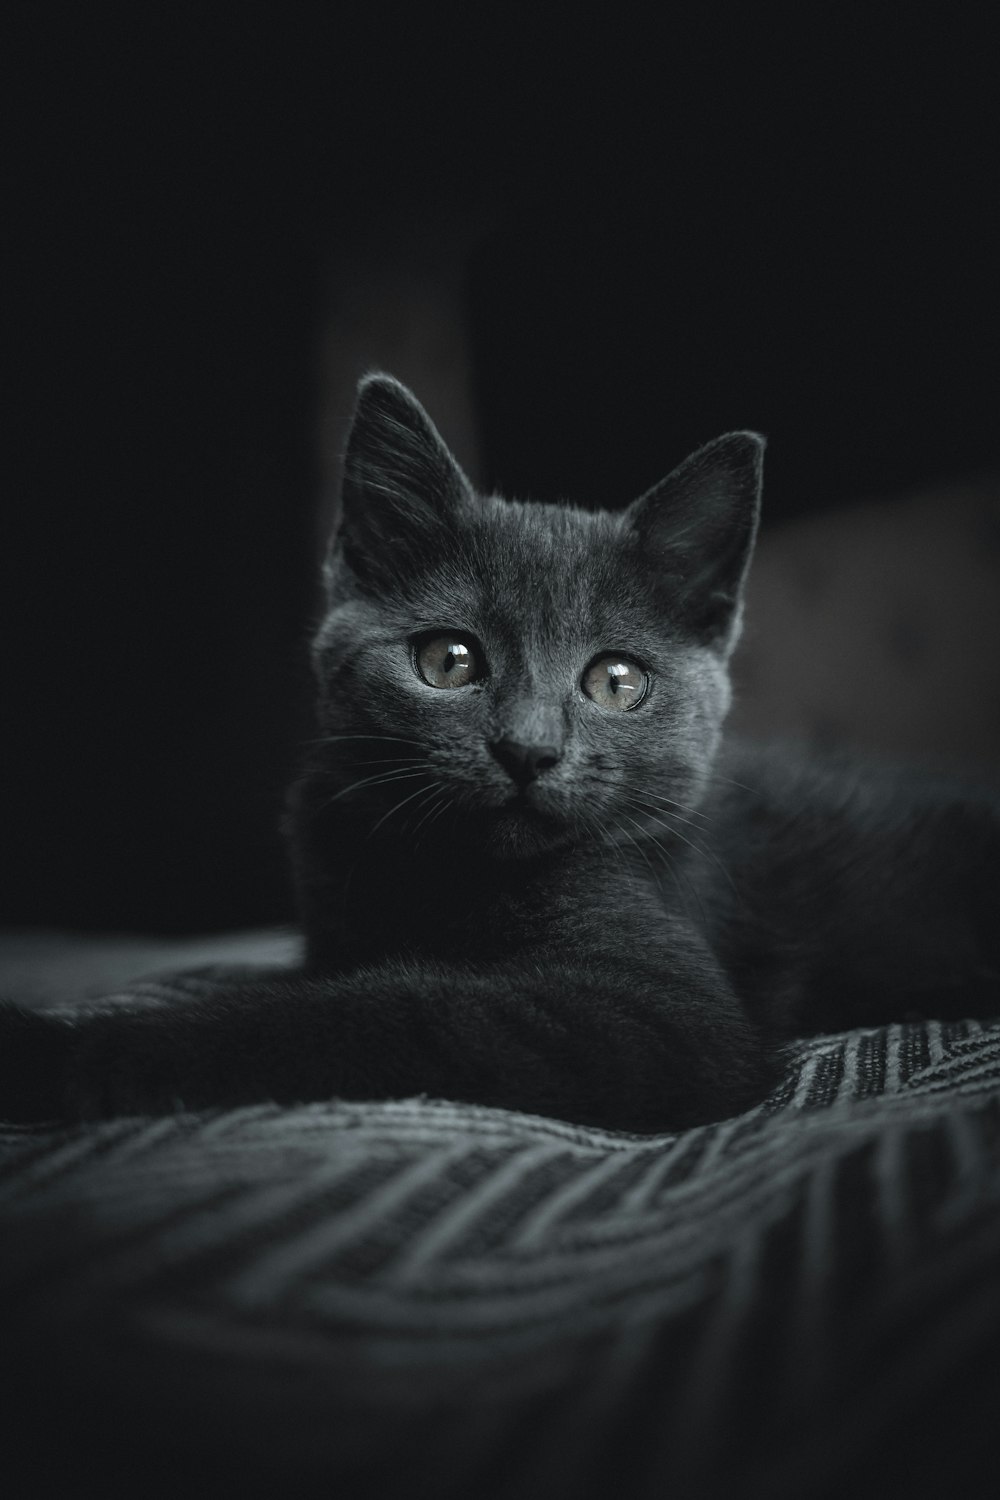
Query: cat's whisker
x=667, y=860
x=421, y=790
x=731, y=780
x=380, y=776
x=447, y=802
x=382, y=779
x=392, y=760
x=666, y=856
x=686, y=813
x=691, y=844
x=668, y=812
x=331, y=739
x=632, y=839
x=599, y=833
x=690, y=839
x=658, y=814
x=437, y=792
x=616, y=846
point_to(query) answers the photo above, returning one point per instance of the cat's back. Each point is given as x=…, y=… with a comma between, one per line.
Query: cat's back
x=844, y=877
x=776, y=791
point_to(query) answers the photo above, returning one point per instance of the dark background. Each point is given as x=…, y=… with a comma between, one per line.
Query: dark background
x=588, y=252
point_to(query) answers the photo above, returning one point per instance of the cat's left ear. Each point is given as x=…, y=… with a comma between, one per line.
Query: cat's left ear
x=695, y=531
x=402, y=487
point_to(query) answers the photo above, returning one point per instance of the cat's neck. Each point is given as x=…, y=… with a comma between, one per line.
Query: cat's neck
x=365, y=894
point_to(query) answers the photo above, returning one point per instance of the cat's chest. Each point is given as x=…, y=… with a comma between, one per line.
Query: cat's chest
x=457, y=909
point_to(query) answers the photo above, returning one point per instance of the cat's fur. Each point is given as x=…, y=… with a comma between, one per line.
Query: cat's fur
x=629, y=938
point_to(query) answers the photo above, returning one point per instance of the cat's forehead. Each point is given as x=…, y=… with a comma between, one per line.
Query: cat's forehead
x=544, y=544
x=545, y=570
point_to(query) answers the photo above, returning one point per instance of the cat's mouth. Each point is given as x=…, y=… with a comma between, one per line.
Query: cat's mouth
x=525, y=803
x=519, y=827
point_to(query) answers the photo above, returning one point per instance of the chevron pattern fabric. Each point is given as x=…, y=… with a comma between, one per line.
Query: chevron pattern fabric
x=420, y=1297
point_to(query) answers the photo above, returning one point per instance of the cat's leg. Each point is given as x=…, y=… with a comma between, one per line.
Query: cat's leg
x=636, y=1048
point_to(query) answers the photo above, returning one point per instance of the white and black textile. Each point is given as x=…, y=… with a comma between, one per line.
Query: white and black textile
x=422, y=1297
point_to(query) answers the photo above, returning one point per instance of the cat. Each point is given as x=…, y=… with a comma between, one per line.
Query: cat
x=531, y=873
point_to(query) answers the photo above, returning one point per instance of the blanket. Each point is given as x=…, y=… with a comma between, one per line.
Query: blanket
x=422, y=1297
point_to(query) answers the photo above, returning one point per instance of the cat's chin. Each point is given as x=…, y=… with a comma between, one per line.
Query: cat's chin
x=517, y=831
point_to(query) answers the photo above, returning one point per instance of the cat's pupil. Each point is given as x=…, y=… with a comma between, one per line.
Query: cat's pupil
x=615, y=682
x=443, y=661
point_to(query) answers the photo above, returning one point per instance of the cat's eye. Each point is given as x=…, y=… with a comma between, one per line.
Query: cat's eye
x=448, y=661
x=615, y=682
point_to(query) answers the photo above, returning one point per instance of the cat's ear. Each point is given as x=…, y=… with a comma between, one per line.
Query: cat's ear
x=402, y=487
x=695, y=532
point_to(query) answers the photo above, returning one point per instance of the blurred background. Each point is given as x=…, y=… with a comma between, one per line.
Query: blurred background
x=588, y=252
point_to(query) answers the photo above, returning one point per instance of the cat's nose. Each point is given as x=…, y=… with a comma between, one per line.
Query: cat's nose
x=524, y=762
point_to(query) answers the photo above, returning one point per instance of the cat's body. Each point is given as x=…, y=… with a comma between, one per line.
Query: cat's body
x=528, y=874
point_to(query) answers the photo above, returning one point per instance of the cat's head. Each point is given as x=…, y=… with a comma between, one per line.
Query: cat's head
x=530, y=675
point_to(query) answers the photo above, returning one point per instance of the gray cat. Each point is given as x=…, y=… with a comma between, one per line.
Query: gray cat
x=530, y=874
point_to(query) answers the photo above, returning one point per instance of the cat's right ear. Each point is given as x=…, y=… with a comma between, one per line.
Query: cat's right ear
x=402, y=487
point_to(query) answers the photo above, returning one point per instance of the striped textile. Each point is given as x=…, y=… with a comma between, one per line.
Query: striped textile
x=427, y=1298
